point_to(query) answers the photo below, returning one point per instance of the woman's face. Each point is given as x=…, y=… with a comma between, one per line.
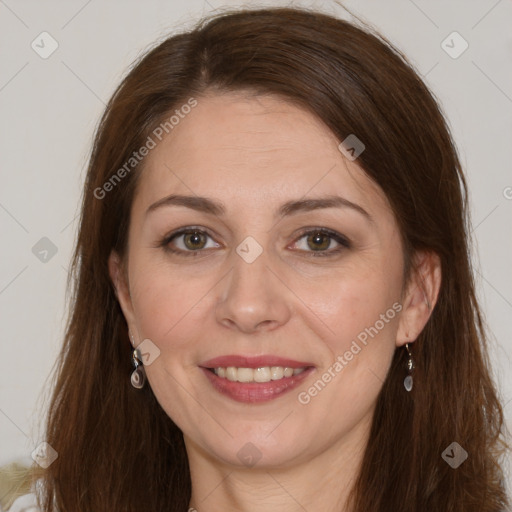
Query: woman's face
x=258, y=286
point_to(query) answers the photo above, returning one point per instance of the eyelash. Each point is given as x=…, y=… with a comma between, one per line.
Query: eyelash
x=342, y=240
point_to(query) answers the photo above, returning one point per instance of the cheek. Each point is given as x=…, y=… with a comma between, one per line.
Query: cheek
x=170, y=309
x=367, y=332
x=362, y=316
x=350, y=301
x=168, y=305
x=361, y=307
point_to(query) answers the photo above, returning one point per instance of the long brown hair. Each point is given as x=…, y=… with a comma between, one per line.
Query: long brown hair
x=118, y=450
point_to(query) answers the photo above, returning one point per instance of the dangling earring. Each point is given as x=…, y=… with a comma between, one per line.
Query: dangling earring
x=138, y=377
x=410, y=368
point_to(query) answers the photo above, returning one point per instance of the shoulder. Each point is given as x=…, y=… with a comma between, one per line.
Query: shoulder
x=19, y=488
x=25, y=503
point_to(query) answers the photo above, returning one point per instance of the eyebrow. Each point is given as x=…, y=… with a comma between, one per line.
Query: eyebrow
x=214, y=207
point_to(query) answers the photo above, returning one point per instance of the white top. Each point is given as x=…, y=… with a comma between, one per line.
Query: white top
x=25, y=503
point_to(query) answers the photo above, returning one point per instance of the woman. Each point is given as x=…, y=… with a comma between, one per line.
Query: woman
x=274, y=305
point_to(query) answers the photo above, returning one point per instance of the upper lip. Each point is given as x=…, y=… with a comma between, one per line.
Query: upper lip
x=252, y=362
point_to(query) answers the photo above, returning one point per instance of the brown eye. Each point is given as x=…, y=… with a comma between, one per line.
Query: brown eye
x=194, y=240
x=188, y=242
x=318, y=241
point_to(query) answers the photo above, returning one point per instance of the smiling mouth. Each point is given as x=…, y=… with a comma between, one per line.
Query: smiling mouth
x=255, y=385
x=262, y=374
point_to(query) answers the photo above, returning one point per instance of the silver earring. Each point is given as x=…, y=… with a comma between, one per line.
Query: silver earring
x=410, y=368
x=138, y=377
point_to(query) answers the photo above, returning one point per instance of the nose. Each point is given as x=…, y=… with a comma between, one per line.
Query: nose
x=253, y=297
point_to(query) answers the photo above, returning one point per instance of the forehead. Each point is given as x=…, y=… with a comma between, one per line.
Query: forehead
x=249, y=150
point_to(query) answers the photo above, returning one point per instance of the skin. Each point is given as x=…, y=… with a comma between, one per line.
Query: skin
x=253, y=154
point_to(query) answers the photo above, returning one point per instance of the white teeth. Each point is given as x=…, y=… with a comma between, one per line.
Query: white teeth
x=277, y=372
x=263, y=374
x=231, y=373
x=245, y=375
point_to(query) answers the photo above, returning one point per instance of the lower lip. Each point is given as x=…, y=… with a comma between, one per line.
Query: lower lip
x=253, y=392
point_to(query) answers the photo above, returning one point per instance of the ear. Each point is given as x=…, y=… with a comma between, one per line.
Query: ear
x=119, y=279
x=420, y=296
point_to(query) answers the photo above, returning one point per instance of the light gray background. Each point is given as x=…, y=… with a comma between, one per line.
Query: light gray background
x=50, y=108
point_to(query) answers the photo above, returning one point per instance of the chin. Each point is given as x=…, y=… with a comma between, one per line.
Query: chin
x=256, y=449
